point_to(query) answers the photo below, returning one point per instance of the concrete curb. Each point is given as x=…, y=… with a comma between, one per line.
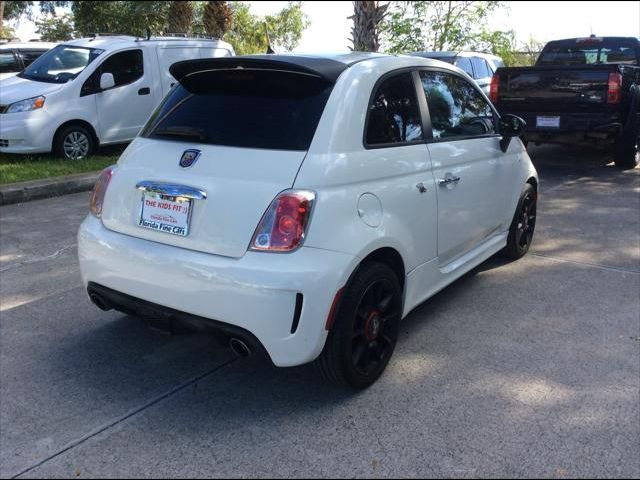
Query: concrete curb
x=46, y=188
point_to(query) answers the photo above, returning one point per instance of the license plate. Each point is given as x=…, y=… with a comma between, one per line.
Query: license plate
x=549, y=122
x=165, y=214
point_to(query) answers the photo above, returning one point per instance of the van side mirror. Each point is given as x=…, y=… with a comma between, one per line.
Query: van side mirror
x=510, y=126
x=107, y=81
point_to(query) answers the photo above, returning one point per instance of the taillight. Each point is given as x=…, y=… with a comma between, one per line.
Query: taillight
x=494, y=88
x=100, y=189
x=614, y=87
x=282, y=227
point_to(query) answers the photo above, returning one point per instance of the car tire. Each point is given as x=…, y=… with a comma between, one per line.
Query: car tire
x=523, y=224
x=365, y=328
x=627, y=153
x=73, y=142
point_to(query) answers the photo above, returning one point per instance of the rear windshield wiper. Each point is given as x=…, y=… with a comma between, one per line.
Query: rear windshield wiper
x=181, y=132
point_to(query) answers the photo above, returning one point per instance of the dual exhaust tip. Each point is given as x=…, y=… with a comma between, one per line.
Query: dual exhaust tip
x=100, y=302
x=237, y=346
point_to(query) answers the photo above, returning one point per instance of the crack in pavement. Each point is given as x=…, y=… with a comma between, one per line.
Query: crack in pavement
x=55, y=254
x=75, y=443
x=585, y=264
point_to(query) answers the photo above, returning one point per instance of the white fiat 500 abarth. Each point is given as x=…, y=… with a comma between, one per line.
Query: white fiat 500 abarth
x=304, y=205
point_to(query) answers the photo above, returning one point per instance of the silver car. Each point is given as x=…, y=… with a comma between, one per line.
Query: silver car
x=479, y=66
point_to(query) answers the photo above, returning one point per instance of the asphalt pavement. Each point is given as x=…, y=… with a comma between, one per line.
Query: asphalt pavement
x=519, y=369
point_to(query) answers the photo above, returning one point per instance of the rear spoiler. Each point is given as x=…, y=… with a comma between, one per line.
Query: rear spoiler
x=328, y=70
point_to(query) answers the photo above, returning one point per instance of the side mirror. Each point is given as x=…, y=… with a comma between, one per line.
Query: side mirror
x=107, y=81
x=510, y=126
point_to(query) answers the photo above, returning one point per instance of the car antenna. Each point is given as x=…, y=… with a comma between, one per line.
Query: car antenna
x=270, y=50
x=148, y=32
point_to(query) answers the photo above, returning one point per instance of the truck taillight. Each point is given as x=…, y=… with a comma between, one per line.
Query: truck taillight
x=100, y=189
x=283, y=226
x=494, y=89
x=614, y=87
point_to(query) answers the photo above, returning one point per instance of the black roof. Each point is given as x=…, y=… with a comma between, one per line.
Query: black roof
x=325, y=68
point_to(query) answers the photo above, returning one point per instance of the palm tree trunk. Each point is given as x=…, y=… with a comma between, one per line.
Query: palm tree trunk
x=217, y=18
x=366, y=17
x=180, y=17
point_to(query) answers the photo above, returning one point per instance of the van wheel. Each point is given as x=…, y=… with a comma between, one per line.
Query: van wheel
x=365, y=329
x=627, y=154
x=522, y=225
x=73, y=142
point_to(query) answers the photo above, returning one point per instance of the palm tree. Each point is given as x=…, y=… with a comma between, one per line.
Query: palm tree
x=217, y=18
x=180, y=17
x=366, y=17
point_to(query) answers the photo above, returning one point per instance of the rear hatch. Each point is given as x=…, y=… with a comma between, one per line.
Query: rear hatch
x=576, y=89
x=241, y=135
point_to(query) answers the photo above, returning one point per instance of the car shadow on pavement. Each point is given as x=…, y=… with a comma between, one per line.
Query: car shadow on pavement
x=512, y=358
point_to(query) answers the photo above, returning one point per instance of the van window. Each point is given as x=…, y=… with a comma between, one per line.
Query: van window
x=394, y=116
x=126, y=67
x=28, y=56
x=249, y=108
x=480, y=67
x=8, y=62
x=456, y=107
x=465, y=64
x=60, y=64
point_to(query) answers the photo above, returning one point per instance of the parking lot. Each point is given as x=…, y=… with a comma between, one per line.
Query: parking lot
x=529, y=368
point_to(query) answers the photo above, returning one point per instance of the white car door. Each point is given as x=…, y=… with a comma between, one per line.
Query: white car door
x=474, y=177
x=124, y=109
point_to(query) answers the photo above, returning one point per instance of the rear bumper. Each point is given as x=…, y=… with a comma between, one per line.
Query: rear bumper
x=574, y=127
x=255, y=293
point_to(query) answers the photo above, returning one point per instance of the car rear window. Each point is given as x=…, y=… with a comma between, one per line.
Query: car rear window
x=247, y=108
x=588, y=52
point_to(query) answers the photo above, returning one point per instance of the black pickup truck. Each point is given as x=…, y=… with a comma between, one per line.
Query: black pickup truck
x=580, y=91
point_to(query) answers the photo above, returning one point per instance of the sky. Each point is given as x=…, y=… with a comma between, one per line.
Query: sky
x=330, y=29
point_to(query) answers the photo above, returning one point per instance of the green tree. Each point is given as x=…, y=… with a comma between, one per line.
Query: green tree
x=436, y=25
x=55, y=29
x=366, y=17
x=247, y=34
x=11, y=10
x=498, y=42
x=130, y=17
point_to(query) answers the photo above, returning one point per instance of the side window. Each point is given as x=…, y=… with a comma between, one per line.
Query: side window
x=394, y=115
x=126, y=67
x=465, y=64
x=490, y=67
x=8, y=62
x=480, y=67
x=28, y=56
x=456, y=108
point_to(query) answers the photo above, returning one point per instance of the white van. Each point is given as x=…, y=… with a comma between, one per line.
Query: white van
x=93, y=91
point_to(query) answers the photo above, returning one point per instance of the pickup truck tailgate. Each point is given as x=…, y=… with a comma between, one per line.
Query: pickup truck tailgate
x=540, y=89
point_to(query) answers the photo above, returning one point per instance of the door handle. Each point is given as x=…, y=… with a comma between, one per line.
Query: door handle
x=448, y=180
x=171, y=190
x=144, y=91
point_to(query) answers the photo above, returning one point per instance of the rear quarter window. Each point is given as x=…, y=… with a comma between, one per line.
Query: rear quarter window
x=8, y=62
x=394, y=118
x=249, y=108
x=28, y=56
